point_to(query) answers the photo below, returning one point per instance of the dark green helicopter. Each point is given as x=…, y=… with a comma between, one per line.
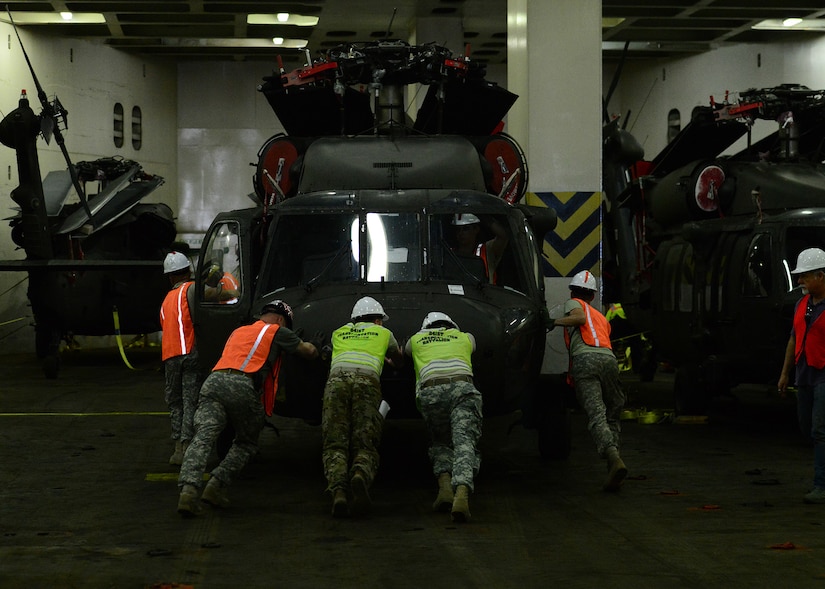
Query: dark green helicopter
x=95, y=266
x=706, y=241
x=357, y=200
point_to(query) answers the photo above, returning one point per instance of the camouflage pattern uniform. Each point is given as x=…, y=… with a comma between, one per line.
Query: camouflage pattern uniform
x=181, y=393
x=600, y=394
x=595, y=374
x=452, y=413
x=350, y=412
x=231, y=398
x=225, y=398
x=350, y=421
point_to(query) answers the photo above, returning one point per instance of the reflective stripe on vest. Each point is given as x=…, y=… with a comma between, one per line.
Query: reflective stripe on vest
x=360, y=346
x=595, y=331
x=176, y=323
x=813, y=336
x=248, y=347
x=439, y=353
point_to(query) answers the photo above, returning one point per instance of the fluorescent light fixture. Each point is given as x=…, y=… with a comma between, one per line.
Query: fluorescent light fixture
x=298, y=20
x=608, y=23
x=230, y=43
x=803, y=24
x=50, y=18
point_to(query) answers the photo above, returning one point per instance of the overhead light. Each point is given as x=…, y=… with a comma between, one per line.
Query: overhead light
x=794, y=24
x=297, y=20
x=50, y=18
x=278, y=40
x=229, y=43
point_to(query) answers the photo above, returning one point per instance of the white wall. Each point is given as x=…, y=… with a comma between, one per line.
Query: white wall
x=223, y=122
x=89, y=79
x=650, y=90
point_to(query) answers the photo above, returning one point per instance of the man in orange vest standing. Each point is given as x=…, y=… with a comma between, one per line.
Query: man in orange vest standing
x=178, y=352
x=594, y=372
x=806, y=350
x=250, y=363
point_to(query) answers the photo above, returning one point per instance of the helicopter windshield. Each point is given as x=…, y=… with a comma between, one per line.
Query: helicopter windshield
x=311, y=249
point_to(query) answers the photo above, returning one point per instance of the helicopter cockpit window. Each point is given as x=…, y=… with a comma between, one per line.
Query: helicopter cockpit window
x=222, y=266
x=758, y=281
x=392, y=247
x=468, y=247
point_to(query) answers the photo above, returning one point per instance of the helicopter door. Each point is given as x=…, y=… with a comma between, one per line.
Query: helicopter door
x=757, y=320
x=223, y=286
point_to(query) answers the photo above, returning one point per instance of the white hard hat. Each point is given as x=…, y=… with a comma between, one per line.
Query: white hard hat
x=809, y=259
x=368, y=306
x=435, y=317
x=175, y=262
x=465, y=219
x=584, y=279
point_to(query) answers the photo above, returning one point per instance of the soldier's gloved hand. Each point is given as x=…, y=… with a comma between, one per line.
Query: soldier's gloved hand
x=325, y=352
x=212, y=275
x=318, y=339
x=551, y=324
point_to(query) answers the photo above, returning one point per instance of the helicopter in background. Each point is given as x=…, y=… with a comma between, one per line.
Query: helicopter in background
x=703, y=243
x=358, y=200
x=94, y=267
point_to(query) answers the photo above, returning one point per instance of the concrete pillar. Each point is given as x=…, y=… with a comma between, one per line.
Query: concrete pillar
x=555, y=66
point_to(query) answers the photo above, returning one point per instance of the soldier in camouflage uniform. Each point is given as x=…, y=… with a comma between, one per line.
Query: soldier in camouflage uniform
x=350, y=422
x=451, y=406
x=179, y=352
x=595, y=373
x=232, y=395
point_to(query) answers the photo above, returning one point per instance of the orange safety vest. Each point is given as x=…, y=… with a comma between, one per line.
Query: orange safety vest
x=481, y=252
x=596, y=329
x=812, y=337
x=178, y=336
x=246, y=350
x=228, y=282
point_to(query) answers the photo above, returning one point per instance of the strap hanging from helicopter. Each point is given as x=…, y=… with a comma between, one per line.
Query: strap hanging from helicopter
x=50, y=120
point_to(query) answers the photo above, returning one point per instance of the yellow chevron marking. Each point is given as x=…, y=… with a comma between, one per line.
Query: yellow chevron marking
x=565, y=266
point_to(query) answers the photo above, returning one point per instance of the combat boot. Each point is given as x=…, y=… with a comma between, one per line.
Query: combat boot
x=188, y=504
x=177, y=456
x=339, y=503
x=361, y=501
x=215, y=493
x=616, y=470
x=444, y=501
x=461, y=507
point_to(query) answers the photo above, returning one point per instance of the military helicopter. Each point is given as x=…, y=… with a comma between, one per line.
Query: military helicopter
x=358, y=200
x=705, y=241
x=95, y=267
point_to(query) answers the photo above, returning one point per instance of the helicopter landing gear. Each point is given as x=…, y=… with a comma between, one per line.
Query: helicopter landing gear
x=47, y=347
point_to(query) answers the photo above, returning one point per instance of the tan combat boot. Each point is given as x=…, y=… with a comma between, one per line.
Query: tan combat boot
x=361, y=501
x=188, y=504
x=215, y=493
x=444, y=501
x=339, y=503
x=461, y=508
x=177, y=456
x=616, y=470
